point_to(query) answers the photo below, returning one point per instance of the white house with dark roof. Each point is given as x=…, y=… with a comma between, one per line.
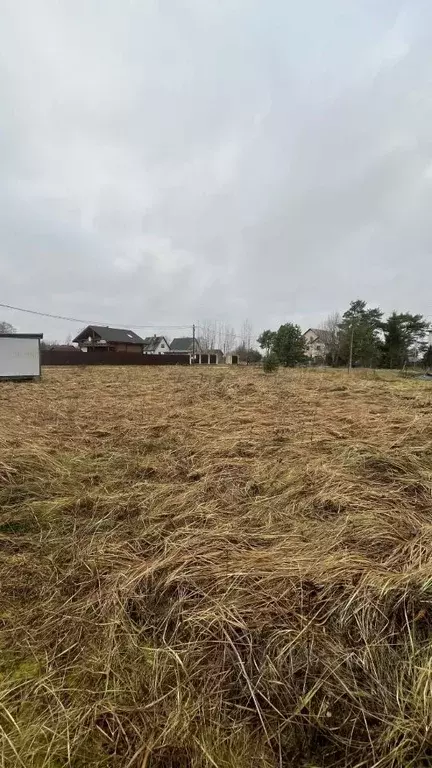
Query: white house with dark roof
x=156, y=345
x=317, y=343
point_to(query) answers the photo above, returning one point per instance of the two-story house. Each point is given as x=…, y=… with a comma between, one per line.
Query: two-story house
x=98, y=337
x=317, y=344
x=156, y=345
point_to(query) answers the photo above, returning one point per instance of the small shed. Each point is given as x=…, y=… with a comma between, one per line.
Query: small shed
x=20, y=356
x=232, y=359
x=215, y=356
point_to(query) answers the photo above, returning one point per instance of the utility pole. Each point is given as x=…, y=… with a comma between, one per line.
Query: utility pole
x=351, y=349
x=193, y=343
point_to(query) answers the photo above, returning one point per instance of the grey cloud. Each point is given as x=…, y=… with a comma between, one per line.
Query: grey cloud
x=172, y=162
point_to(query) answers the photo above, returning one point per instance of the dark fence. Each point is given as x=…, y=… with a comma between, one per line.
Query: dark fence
x=64, y=357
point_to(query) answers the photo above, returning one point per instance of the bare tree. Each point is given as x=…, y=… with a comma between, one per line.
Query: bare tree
x=212, y=334
x=203, y=334
x=331, y=326
x=207, y=334
x=225, y=338
x=6, y=327
x=229, y=339
x=246, y=335
x=220, y=335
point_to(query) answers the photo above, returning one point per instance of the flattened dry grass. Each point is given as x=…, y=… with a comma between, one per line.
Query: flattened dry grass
x=215, y=568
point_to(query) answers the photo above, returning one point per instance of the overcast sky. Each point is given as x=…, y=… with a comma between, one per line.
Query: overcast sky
x=167, y=161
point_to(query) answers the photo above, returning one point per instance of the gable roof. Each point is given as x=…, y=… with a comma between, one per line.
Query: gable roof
x=152, y=342
x=117, y=335
x=184, y=343
x=323, y=336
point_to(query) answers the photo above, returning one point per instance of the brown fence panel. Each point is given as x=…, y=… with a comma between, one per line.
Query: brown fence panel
x=64, y=357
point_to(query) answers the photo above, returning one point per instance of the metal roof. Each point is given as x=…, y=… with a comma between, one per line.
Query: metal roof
x=118, y=335
x=21, y=335
x=185, y=342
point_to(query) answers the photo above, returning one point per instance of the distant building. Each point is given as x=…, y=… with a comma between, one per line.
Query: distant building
x=232, y=359
x=20, y=356
x=216, y=356
x=155, y=345
x=98, y=337
x=187, y=345
x=317, y=343
x=209, y=357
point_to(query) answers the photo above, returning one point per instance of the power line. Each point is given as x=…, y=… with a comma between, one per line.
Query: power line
x=90, y=322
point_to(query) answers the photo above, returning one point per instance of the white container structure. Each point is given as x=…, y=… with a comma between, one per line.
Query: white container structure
x=20, y=356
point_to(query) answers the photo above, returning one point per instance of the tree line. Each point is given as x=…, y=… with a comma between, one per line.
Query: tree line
x=362, y=336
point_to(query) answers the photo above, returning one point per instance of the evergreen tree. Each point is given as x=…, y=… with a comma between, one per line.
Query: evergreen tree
x=289, y=345
x=362, y=326
x=265, y=340
x=427, y=359
x=403, y=334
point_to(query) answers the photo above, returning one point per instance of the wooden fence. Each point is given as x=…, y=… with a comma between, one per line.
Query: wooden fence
x=66, y=357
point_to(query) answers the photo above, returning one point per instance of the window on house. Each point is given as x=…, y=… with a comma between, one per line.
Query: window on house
x=162, y=346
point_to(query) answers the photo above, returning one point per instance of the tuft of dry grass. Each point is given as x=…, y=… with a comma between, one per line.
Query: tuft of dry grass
x=213, y=568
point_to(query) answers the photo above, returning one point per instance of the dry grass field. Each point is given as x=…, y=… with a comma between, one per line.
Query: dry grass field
x=215, y=568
